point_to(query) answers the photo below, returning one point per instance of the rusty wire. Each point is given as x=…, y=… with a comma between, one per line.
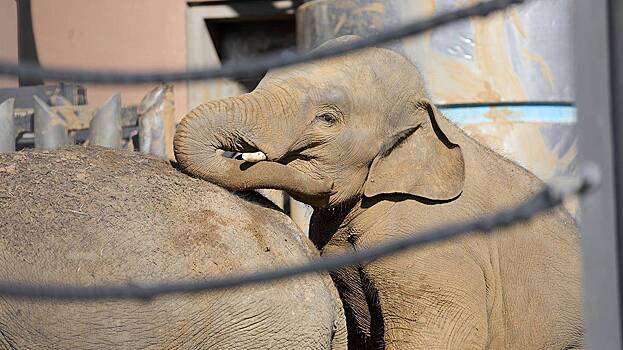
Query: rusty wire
x=259, y=64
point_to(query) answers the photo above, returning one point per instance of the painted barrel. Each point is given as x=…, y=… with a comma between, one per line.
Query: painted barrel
x=505, y=79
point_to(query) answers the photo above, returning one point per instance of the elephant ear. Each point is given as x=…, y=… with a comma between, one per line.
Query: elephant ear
x=418, y=159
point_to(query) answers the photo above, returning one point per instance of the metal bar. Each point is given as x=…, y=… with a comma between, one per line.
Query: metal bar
x=50, y=127
x=7, y=127
x=26, y=44
x=598, y=224
x=151, y=122
x=105, y=127
x=23, y=95
x=615, y=25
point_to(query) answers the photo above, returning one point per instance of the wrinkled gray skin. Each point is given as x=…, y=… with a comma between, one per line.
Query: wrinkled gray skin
x=96, y=216
x=357, y=138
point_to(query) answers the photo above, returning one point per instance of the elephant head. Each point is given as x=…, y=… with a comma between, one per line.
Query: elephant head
x=328, y=132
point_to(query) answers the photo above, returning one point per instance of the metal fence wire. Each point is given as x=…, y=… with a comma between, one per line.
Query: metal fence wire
x=549, y=197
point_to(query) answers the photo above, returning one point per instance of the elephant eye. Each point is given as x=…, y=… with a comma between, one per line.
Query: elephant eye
x=327, y=117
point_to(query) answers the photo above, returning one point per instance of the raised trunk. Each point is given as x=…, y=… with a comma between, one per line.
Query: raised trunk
x=226, y=125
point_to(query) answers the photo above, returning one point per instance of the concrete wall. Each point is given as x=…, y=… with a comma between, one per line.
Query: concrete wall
x=111, y=34
x=8, y=37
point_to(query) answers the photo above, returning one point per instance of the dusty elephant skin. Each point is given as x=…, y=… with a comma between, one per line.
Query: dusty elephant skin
x=95, y=216
x=357, y=138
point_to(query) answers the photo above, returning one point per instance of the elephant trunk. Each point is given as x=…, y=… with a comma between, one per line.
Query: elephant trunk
x=228, y=125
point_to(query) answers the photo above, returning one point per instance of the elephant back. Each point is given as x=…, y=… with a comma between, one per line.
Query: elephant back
x=96, y=216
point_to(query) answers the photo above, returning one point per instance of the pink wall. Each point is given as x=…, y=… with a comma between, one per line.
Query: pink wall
x=8, y=37
x=111, y=34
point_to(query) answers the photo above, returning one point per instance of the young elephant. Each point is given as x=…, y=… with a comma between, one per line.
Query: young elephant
x=97, y=216
x=357, y=137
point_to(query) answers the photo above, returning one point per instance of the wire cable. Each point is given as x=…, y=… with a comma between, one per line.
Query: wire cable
x=548, y=198
x=259, y=64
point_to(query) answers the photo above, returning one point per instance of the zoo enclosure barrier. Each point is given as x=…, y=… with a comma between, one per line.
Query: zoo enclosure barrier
x=52, y=118
x=548, y=198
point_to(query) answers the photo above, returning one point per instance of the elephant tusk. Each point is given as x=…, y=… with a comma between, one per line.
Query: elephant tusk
x=253, y=157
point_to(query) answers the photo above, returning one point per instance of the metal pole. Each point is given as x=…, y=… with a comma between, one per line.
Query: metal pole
x=151, y=123
x=105, y=129
x=7, y=126
x=50, y=127
x=599, y=99
x=26, y=44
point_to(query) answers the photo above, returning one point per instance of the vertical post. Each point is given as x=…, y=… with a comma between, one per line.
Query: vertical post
x=169, y=120
x=300, y=213
x=26, y=44
x=7, y=127
x=598, y=50
x=50, y=127
x=105, y=129
x=152, y=124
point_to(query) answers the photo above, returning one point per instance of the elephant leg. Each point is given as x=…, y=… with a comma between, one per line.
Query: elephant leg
x=432, y=299
x=340, y=338
x=352, y=293
x=356, y=308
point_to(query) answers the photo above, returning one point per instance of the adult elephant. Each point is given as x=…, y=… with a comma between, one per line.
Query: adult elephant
x=358, y=138
x=96, y=216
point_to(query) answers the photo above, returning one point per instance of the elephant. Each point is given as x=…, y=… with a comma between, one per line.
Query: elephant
x=94, y=216
x=358, y=138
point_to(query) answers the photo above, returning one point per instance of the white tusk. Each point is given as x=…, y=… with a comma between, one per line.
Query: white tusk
x=254, y=157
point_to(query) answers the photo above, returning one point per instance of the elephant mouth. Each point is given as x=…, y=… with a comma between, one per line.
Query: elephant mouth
x=248, y=151
x=300, y=153
x=291, y=157
x=243, y=150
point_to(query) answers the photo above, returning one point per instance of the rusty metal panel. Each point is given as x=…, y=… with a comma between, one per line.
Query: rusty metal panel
x=322, y=20
x=521, y=55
